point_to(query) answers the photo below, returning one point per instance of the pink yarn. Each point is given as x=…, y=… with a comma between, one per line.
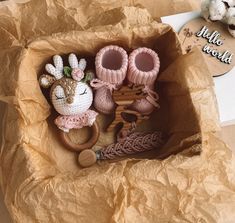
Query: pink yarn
x=147, y=105
x=111, y=66
x=143, y=69
x=103, y=101
x=152, y=96
x=67, y=122
x=135, y=143
x=144, y=66
x=97, y=83
x=142, y=106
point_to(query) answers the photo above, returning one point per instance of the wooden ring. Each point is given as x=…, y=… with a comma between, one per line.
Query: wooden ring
x=79, y=147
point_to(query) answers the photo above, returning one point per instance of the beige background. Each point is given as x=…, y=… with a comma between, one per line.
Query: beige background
x=4, y=215
x=227, y=135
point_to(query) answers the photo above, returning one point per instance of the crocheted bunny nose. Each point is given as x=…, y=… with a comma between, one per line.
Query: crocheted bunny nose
x=69, y=100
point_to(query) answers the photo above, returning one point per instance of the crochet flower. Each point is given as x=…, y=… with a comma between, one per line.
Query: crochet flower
x=220, y=10
x=77, y=74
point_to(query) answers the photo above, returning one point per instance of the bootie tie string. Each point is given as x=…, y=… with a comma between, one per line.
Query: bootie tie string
x=97, y=83
x=152, y=96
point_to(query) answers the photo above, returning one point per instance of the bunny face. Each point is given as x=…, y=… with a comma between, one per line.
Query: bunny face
x=75, y=102
x=70, y=95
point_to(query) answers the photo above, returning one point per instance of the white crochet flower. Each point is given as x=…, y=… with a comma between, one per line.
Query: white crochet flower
x=231, y=20
x=205, y=9
x=231, y=3
x=220, y=10
x=217, y=10
x=230, y=15
x=77, y=74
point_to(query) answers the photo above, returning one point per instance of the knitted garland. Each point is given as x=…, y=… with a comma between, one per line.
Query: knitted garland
x=136, y=142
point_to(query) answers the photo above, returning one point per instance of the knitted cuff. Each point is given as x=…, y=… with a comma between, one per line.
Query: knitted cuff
x=111, y=64
x=144, y=66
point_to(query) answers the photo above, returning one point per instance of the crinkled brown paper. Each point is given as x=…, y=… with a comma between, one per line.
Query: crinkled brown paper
x=191, y=179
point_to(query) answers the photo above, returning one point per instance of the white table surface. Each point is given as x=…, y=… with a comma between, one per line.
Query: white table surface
x=224, y=85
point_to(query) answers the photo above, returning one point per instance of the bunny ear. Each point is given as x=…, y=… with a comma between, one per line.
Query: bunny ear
x=57, y=70
x=82, y=64
x=58, y=62
x=73, y=61
x=46, y=80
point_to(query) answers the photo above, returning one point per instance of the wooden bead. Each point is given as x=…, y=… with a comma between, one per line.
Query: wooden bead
x=87, y=158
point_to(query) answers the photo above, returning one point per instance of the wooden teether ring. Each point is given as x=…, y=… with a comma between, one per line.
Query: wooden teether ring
x=79, y=147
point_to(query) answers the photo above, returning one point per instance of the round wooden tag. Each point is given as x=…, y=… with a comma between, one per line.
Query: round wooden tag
x=216, y=43
x=87, y=158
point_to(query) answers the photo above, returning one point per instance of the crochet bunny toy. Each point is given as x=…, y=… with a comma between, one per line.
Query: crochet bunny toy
x=71, y=97
x=220, y=10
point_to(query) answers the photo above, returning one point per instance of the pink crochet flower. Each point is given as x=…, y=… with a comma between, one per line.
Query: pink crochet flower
x=77, y=74
x=67, y=122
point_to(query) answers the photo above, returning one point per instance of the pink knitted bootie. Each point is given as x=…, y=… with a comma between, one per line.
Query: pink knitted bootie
x=143, y=69
x=111, y=66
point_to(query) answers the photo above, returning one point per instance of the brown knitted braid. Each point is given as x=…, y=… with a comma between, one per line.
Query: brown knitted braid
x=134, y=143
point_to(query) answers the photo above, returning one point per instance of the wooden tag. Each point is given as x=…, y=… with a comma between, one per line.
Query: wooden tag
x=87, y=158
x=123, y=97
x=189, y=39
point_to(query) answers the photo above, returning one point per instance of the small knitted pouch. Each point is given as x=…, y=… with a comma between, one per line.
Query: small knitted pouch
x=220, y=10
